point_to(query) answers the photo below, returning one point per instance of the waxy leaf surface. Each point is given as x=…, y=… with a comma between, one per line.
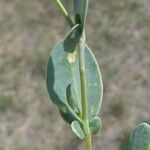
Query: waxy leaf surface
x=77, y=129
x=95, y=125
x=62, y=71
x=139, y=139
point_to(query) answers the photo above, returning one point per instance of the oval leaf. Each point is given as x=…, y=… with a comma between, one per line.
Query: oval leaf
x=139, y=139
x=77, y=129
x=95, y=125
x=63, y=70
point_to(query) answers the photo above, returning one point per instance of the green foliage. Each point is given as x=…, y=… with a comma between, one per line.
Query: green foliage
x=72, y=39
x=80, y=11
x=77, y=129
x=139, y=138
x=75, y=85
x=63, y=82
x=95, y=125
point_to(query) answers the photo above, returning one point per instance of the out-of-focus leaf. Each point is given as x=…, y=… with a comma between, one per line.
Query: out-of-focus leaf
x=139, y=139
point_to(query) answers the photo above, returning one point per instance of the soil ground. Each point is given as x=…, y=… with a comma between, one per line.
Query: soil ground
x=119, y=34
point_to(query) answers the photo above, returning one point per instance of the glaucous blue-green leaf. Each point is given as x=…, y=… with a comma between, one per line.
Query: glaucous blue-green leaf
x=71, y=99
x=95, y=125
x=80, y=11
x=67, y=116
x=139, y=139
x=72, y=39
x=63, y=70
x=77, y=129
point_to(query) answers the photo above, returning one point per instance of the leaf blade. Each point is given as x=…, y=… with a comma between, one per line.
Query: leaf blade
x=64, y=70
x=95, y=125
x=72, y=39
x=77, y=129
x=139, y=138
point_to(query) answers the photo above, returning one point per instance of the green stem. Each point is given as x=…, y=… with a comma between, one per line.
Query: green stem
x=83, y=76
x=85, y=13
x=88, y=137
x=64, y=12
x=82, y=71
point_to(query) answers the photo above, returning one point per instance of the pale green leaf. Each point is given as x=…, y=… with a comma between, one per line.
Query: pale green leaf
x=77, y=129
x=95, y=125
x=63, y=70
x=139, y=139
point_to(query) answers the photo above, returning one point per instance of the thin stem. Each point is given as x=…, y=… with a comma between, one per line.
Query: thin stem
x=83, y=76
x=82, y=71
x=85, y=13
x=64, y=12
x=88, y=137
x=83, y=81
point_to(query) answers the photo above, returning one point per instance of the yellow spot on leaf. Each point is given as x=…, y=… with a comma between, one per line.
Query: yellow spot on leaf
x=72, y=57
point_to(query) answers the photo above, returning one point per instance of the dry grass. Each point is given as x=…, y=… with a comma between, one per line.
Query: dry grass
x=119, y=34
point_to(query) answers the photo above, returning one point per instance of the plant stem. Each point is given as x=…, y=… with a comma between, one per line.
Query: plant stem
x=83, y=76
x=88, y=136
x=85, y=13
x=64, y=12
x=82, y=71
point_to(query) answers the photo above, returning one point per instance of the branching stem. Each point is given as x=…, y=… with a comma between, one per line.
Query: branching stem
x=64, y=12
x=82, y=71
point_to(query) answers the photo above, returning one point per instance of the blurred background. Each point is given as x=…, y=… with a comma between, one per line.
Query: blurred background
x=118, y=32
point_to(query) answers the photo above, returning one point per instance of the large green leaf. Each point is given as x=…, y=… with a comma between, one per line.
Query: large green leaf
x=63, y=70
x=139, y=139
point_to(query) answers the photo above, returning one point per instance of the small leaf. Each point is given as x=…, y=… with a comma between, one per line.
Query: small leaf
x=77, y=129
x=139, y=139
x=72, y=39
x=95, y=125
